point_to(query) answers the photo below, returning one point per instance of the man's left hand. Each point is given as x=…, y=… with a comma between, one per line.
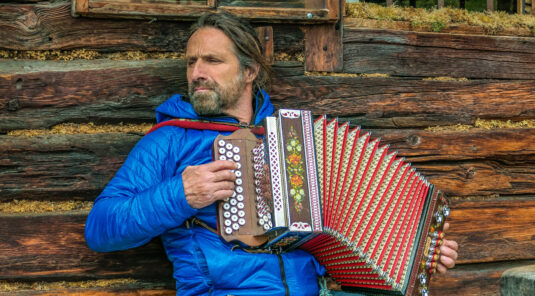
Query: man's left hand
x=448, y=253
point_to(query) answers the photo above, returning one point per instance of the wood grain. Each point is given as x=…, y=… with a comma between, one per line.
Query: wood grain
x=422, y=54
x=50, y=26
x=59, y=167
x=53, y=247
x=473, y=279
x=40, y=94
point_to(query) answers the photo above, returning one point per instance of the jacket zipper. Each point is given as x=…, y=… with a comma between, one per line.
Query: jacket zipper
x=283, y=275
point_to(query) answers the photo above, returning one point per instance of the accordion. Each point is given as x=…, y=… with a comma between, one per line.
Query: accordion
x=363, y=212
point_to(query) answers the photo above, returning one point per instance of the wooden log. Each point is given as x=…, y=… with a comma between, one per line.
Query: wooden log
x=59, y=167
x=472, y=279
x=40, y=94
x=494, y=230
x=422, y=54
x=50, y=26
x=53, y=247
x=127, y=291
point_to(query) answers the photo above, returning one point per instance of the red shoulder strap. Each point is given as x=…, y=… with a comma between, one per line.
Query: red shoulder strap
x=205, y=125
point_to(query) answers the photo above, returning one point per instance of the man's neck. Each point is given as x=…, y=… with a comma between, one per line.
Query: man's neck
x=243, y=109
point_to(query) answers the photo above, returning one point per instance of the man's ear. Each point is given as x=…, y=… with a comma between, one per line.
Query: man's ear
x=250, y=73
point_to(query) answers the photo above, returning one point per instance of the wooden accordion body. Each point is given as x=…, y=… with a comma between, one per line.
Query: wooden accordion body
x=364, y=213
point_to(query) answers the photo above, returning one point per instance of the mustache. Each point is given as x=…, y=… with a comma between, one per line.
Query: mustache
x=203, y=83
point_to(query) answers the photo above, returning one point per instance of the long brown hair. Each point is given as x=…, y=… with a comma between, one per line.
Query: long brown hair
x=248, y=48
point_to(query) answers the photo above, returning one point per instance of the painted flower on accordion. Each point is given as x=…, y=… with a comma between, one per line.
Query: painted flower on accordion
x=295, y=169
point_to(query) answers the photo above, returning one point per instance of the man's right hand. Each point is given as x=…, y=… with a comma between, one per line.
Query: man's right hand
x=207, y=183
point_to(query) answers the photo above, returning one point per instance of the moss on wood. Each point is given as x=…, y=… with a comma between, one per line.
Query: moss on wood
x=37, y=207
x=89, y=128
x=435, y=20
x=11, y=286
x=485, y=124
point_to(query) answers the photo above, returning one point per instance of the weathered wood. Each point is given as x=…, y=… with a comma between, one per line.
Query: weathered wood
x=323, y=48
x=65, y=166
x=60, y=167
x=112, y=291
x=50, y=26
x=40, y=94
x=53, y=246
x=473, y=279
x=265, y=36
x=489, y=231
x=423, y=54
x=453, y=28
x=175, y=11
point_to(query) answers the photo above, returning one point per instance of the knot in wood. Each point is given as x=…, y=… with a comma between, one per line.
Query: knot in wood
x=414, y=140
x=13, y=105
x=470, y=172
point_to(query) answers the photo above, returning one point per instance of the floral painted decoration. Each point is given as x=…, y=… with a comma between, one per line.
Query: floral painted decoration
x=295, y=169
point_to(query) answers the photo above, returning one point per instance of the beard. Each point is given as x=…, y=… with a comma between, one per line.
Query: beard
x=217, y=98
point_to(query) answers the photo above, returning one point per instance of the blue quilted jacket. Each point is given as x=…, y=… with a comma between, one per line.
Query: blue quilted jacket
x=146, y=199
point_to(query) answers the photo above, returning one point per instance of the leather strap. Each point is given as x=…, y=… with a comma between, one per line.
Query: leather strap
x=208, y=125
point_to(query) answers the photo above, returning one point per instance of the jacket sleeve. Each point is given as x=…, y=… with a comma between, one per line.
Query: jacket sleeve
x=144, y=199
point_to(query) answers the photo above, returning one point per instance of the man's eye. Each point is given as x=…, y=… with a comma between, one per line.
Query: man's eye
x=214, y=61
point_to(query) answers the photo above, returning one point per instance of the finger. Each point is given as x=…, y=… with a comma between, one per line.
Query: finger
x=441, y=269
x=219, y=165
x=446, y=227
x=223, y=194
x=224, y=175
x=448, y=252
x=451, y=244
x=446, y=261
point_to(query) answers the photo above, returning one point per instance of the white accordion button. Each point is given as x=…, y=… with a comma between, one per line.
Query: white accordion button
x=228, y=146
x=228, y=230
x=239, y=197
x=226, y=214
x=241, y=221
x=233, y=210
x=238, y=174
x=222, y=157
x=234, y=218
x=241, y=213
x=235, y=226
x=266, y=226
x=229, y=154
x=240, y=205
x=222, y=150
x=228, y=222
x=238, y=181
x=226, y=206
x=239, y=165
x=236, y=157
x=233, y=202
x=221, y=143
x=236, y=149
x=239, y=189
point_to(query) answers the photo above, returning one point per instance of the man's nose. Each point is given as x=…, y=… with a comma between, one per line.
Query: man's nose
x=198, y=71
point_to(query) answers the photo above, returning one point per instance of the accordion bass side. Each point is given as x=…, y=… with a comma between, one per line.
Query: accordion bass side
x=359, y=209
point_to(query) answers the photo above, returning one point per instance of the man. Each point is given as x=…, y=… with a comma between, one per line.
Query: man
x=169, y=177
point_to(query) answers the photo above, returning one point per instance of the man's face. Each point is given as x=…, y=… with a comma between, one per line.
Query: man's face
x=215, y=79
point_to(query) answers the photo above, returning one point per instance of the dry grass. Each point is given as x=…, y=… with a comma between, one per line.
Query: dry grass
x=437, y=19
x=445, y=78
x=485, y=124
x=39, y=207
x=363, y=75
x=89, y=128
x=83, y=54
x=7, y=286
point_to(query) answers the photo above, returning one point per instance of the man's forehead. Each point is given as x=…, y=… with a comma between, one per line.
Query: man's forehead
x=209, y=41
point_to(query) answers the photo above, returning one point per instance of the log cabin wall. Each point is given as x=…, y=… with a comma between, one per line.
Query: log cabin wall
x=76, y=94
